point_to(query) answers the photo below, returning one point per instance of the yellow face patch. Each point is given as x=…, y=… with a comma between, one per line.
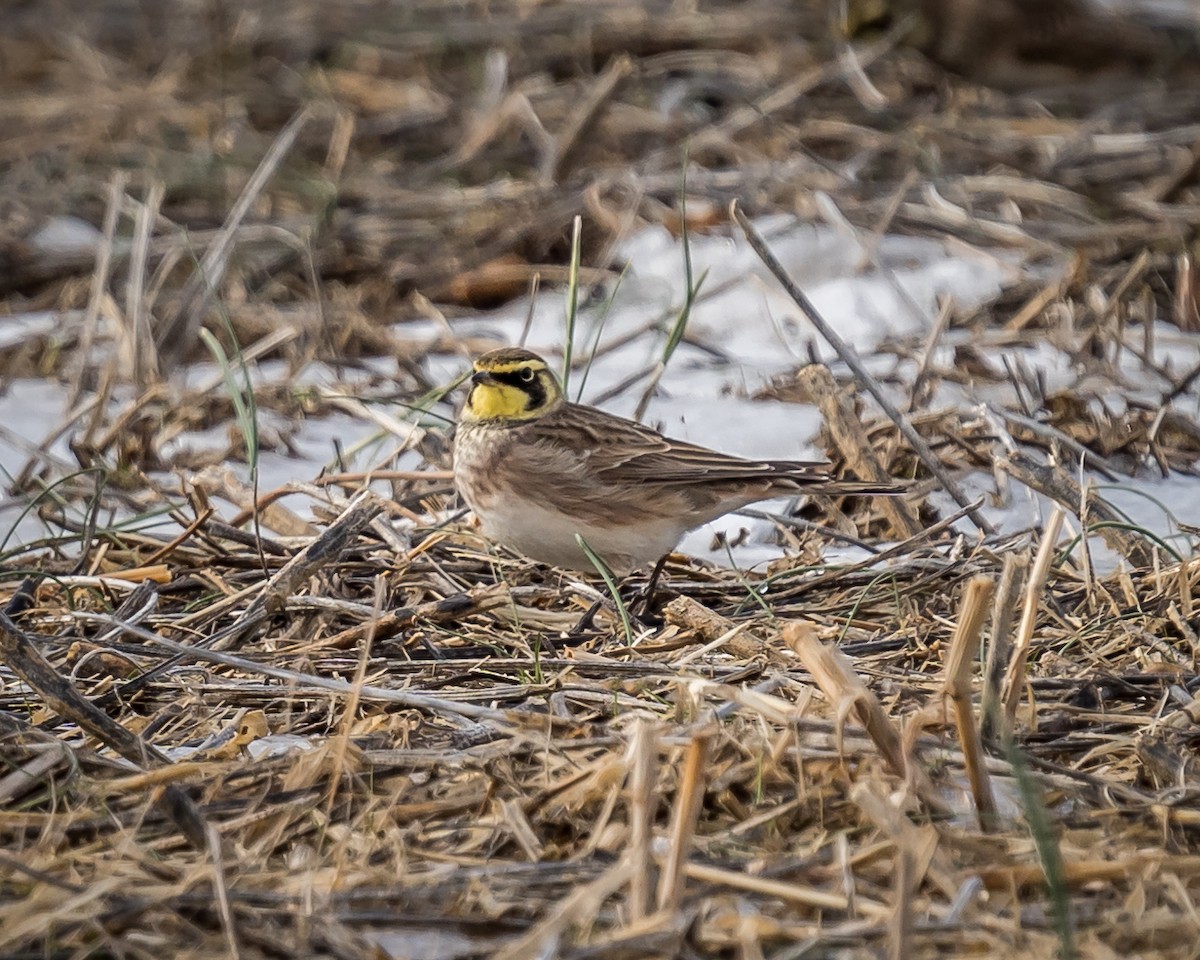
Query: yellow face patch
x=511, y=389
x=498, y=401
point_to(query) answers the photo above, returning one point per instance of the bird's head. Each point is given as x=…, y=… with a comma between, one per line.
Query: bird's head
x=511, y=384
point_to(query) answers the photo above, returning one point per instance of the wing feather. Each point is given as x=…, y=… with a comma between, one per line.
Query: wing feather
x=622, y=450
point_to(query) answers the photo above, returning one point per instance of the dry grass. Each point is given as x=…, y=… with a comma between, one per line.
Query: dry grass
x=808, y=761
x=477, y=752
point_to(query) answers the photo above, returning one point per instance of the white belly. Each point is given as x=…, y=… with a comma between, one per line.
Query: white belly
x=549, y=536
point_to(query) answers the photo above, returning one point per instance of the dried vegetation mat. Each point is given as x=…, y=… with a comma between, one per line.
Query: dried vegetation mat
x=312, y=748
x=268, y=736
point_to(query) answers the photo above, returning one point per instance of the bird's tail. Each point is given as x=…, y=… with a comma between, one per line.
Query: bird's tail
x=846, y=488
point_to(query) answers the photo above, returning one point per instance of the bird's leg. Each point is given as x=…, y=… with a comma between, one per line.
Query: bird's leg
x=639, y=606
x=642, y=602
x=587, y=621
x=655, y=576
x=639, y=621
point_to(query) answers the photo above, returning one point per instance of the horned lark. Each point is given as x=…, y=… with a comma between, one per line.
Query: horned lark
x=538, y=470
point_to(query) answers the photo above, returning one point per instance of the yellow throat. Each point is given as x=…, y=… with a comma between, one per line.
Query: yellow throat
x=511, y=384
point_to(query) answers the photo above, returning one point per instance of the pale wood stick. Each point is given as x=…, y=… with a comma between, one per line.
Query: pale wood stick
x=1014, y=677
x=792, y=892
x=900, y=928
x=642, y=803
x=960, y=659
x=688, y=796
x=709, y=625
x=851, y=439
x=1001, y=642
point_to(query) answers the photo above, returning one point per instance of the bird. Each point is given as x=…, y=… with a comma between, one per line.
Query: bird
x=1021, y=44
x=540, y=472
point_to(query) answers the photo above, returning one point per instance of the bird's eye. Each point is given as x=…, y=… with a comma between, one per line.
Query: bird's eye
x=527, y=374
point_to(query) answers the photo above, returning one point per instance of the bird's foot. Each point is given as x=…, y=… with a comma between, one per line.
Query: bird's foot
x=641, y=603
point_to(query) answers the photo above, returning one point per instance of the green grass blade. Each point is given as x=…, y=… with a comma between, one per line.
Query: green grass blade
x=245, y=411
x=595, y=346
x=611, y=582
x=1049, y=854
x=692, y=292
x=572, y=300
